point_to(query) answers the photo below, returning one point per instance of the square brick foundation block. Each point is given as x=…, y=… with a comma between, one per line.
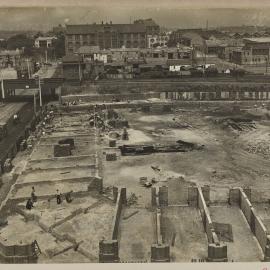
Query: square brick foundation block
x=160, y=253
x=111, y=157
x=62, y=150
x=108, y=251
x=217, y=253
x=234, y=196
x=267, y=250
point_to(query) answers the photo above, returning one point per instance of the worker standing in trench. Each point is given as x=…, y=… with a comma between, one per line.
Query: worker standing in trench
x=58, y=197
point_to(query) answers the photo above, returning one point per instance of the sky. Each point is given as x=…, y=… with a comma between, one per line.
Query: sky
x=43, y=14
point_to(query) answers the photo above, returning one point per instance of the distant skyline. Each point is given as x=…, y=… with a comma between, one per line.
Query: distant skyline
x=44, y=18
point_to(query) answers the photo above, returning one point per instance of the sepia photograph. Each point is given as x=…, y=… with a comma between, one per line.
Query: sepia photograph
x=135, y=132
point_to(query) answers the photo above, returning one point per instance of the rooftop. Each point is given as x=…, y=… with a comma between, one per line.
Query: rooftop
x=258, y=40
x=92, y=28
x=71, y=58
x=10, y=52
x=46, y=38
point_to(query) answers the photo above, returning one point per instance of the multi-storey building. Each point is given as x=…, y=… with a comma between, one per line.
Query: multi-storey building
x=105, y=36
x=152, y=28
x=9, y=58
x=134, y=54
x=44, y=42
x=256, y=51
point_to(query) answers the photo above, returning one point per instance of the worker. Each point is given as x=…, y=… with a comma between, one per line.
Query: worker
x=33, y=195
x=68, y=197
x=29, y=204
x=58, y=197
x=15, y=118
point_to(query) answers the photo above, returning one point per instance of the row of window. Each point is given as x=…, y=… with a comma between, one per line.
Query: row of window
x=101, y=34
x=113, y=43
x=255, y=60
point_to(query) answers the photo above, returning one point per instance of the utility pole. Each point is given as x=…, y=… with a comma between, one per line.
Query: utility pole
x=37, y=78
x=40, y=96
x=266, y=64
x=46, y=56
x=28, y=68
x=35, y=104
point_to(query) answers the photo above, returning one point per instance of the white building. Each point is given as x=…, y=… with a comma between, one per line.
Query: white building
x=157, y=40
x=44, y=42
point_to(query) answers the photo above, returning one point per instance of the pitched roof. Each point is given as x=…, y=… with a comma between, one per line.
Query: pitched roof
x=92, y=28
x=71, y=58
x=147, y=22
x=258, y=40
x=174, y=62
x=10, y=52
x=88, y=49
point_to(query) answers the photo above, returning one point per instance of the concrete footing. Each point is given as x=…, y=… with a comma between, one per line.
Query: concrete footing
x=217, y=253
x=62, y=150
x=160, y=253
x=108, y=251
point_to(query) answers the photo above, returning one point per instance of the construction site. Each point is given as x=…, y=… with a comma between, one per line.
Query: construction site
x=139, y=180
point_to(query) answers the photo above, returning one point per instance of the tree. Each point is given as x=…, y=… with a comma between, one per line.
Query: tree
x=38, y=34
x=3, y=44
x=59, y=45
x=21, y=41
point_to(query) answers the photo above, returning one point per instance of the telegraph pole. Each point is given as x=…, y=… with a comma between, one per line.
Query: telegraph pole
x=46, y=56
x=266, y=64
x=35, y=104
x=40, y=96
x=28, y=69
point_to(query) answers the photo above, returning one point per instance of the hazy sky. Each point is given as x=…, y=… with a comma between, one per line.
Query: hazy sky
x=169, y=13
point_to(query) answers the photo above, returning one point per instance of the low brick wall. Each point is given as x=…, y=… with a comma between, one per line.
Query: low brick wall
x=217, y=252
x=18, y=253
x=109, y=249
x=121, y=199
x=238, y=196
x=159, y=196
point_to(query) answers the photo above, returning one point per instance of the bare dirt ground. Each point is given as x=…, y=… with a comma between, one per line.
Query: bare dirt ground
x=223, y=163
x=136, y=234
x=183, y=226
x=243, y=239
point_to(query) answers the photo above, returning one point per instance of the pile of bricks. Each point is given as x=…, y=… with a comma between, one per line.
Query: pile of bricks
x=111, y=156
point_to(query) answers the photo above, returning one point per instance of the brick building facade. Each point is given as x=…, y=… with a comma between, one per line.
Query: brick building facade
x=105, y=36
